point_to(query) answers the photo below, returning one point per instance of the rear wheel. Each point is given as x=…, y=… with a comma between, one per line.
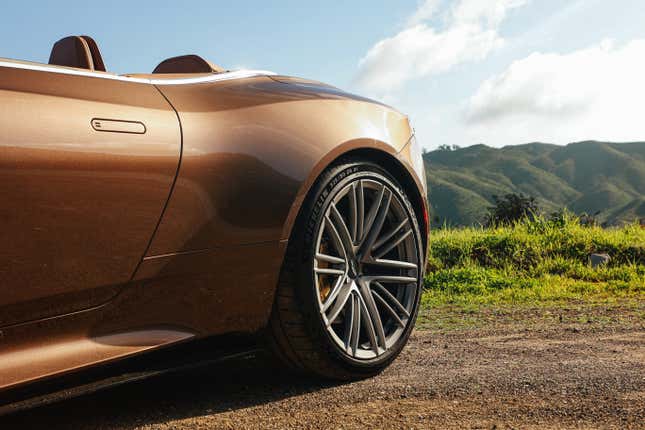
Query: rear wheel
x=350, y=284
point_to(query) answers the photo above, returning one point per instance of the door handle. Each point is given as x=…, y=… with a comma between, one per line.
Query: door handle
x=118, y=126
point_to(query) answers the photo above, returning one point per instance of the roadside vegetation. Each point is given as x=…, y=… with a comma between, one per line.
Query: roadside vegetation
x=534, y=261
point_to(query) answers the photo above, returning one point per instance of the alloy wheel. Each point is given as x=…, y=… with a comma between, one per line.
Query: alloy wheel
x=366, y=268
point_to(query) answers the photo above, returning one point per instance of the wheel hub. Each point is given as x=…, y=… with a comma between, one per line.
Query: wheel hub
x=354, y=269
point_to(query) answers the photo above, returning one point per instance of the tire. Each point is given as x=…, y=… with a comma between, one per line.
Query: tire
x=308, y=329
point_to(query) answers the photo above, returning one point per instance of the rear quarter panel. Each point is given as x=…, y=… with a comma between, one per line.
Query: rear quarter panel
x=251, y=149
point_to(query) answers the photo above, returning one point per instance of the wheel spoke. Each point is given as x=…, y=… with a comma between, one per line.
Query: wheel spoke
x=372, y=314
x=390, y=234
x=391, y=279
x=385, y=294
x=340, y=282
x=353, y=214
x=360, y=211
x=330, y=259
x=327, y=271
x=389, y=246
x=371, y=215
x=388, y=308
x=368, y=322
x=335, y=237
x=356, y=324
x=376, y=225
x=344, y=291
x=349, y=324
x=339, y=224
x=394, y=263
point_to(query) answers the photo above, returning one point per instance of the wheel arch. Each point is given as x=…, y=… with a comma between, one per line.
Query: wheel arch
x=382, y=154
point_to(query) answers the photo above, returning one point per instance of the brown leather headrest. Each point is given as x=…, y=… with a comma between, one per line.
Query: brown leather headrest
x=97, y=59
x=81, y=52
x=187, y=64
x=72, y=51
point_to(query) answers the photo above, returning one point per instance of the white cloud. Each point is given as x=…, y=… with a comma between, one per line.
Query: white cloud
x=489, y=13
x=469, y=32
x=424, y=12
x=595, y=92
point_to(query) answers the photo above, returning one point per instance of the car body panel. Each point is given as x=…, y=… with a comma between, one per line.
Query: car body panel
x=80, y=204
x=252, y=146
x=173, y=298
x=248, y=147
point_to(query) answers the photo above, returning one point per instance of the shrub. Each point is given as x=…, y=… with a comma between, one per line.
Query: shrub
x=511, y=208
x=534, y=259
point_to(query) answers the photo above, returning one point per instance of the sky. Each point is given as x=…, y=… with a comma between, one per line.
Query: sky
x=498, y=72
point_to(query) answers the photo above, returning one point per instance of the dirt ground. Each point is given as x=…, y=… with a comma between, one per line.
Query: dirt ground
x=576, y=367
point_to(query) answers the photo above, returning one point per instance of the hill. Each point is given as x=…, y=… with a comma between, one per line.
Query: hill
x=584, y=177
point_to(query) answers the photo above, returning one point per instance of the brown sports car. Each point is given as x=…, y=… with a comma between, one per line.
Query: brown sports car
x=144, y=210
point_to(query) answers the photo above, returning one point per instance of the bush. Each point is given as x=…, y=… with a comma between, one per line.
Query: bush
x=538, y=259
x=511, y=208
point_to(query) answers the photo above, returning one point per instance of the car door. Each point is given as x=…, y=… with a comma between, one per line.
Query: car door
x=87, y=162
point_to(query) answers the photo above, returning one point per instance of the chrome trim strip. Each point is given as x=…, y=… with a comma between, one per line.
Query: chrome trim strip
x=238, y=74
x=66, y=71
x=225, y=76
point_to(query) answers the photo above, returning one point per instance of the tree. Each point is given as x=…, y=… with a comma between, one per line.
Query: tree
x=446, y=147
x=510, y=208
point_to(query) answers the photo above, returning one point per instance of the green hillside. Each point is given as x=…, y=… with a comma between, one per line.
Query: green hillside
x=582, y=177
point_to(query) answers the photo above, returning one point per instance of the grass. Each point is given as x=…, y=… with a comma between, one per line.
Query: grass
x=533, y=263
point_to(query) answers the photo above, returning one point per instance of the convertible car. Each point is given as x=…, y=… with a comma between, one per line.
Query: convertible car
x=140, y=211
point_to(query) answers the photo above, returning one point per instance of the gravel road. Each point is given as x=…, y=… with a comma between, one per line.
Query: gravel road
x=567, y=368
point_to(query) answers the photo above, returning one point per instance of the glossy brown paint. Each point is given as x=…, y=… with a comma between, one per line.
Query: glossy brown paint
x=249, y=147
x=252, y=148
x=173, y=299
x=79, y=207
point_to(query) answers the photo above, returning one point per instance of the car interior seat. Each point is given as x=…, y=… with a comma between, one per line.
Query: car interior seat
x=80, y=52
x=187, y=64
